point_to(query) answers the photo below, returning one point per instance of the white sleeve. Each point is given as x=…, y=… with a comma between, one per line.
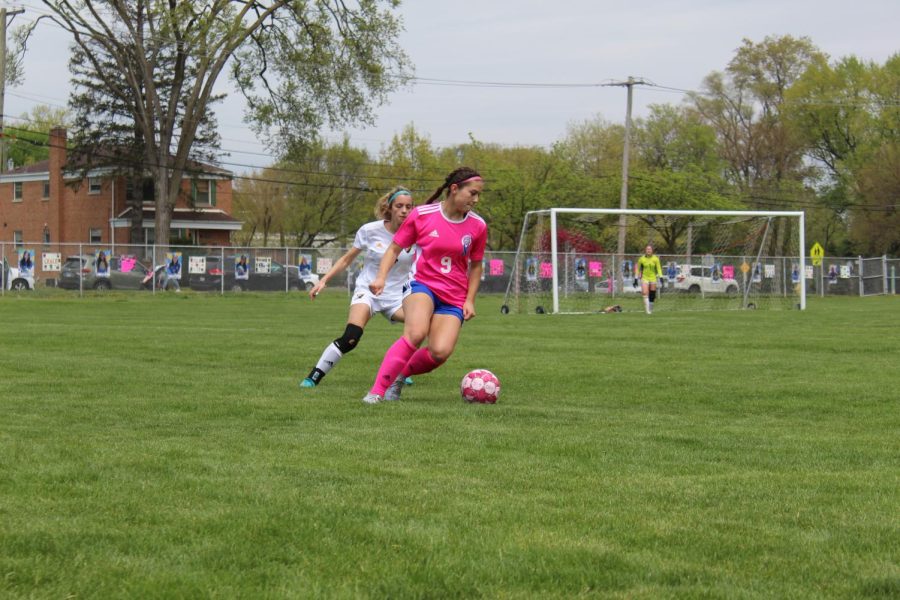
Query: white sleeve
x=361, y=240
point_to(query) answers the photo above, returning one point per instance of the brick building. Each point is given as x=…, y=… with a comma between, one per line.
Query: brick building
x=43, y=204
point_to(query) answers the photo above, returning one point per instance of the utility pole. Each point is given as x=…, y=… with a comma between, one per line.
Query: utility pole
x=623, y=197
x=3, y=14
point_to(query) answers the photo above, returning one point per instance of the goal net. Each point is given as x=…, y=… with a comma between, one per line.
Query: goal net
x=568, y=260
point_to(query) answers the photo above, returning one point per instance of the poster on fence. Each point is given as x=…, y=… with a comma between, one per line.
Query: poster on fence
x=727, y=271
x=808, y=269
x=51, y=261
x=672, y=270
x=531, y=269
x=197, y=264
x=173, y=266
x=795, y=273
x=305, y=265
x=595, y=268
x=101, y=263
x=580, y=269
x=25, y=262
x=242, y=267
x=832, y=274
x=757, y=273
x=496, y=267
x=770, y=271
x=546, y=270
x=263, y=265
x=845, y=272
x=127, y=263
x=323, y=265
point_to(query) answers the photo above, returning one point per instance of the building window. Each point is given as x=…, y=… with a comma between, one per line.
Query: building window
x=95, y=185
x=147, y=190
x=46, y=235
x=96, y=235
x=46, y=195
x=17, y=238
x=203, y=192
x=17, y=191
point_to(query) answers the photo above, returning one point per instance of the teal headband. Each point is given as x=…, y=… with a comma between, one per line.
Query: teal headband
x=400, y=192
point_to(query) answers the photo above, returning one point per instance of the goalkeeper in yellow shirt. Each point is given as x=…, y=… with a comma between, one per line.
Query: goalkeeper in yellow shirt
x=649, y=270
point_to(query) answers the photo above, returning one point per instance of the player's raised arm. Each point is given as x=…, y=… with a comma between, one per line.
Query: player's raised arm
x=338, y=267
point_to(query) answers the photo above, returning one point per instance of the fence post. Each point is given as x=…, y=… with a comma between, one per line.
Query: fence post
x=884, y=274
x=153, y=266
x=287, y=271
x=222, y=276
x=80, y=272
x=822, y=278
x=4, y=273
x=862, y=289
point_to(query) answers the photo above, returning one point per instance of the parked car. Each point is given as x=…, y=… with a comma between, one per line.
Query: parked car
x=12, y=278
x=273, y=281
x=702, y=279
x=125, y=273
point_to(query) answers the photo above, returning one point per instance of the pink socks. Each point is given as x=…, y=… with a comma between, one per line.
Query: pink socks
x=421, y=362
x=394, y=360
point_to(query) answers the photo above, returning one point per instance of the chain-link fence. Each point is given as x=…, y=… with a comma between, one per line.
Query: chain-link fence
x=86, y=269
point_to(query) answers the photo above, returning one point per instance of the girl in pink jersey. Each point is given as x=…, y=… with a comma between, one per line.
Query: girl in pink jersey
x=451, y=240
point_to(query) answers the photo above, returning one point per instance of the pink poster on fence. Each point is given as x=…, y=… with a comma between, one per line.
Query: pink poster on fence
x=727, y=271
x=595, y=268
x=546, y=270
x=496, y=266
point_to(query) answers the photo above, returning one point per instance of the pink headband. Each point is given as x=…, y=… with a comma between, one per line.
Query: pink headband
x=473, y=178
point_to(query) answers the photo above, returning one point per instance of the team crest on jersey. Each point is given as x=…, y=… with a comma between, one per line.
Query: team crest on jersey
x=466, y=243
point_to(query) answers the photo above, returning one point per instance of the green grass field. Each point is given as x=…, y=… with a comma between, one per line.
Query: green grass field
x=159, y=447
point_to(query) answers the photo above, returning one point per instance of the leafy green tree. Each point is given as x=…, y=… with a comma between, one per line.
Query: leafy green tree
x=299, y=64
x=29, y=143
x=847, y=114
x=745, y=105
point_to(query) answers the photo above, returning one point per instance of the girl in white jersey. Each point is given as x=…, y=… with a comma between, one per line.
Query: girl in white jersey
x=373, y=238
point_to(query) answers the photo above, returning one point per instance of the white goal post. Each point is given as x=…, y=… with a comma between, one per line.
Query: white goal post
x=716, y=258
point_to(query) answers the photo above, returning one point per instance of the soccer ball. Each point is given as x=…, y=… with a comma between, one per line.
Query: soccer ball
x=480, y=386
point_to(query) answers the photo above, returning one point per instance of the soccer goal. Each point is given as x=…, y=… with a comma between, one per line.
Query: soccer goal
x=568, y=260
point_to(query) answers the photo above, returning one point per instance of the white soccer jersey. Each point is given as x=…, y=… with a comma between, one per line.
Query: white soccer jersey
x=374, y=239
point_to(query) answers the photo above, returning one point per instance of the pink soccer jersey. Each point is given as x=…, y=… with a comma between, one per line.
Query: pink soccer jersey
x=445, y=249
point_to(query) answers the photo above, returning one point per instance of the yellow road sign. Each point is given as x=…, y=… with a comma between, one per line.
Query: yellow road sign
x=817, y=252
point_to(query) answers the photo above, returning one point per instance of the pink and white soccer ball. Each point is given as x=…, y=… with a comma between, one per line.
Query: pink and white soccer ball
x=480, y=386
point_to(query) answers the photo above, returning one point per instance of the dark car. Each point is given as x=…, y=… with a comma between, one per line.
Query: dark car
x=125, y=273
x=275, y=280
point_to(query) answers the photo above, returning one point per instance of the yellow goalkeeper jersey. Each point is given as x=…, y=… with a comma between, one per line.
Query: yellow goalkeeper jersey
x=649, y=268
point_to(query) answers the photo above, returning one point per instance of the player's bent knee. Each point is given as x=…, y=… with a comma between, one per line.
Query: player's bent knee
x=440, y=355
x=350, y=339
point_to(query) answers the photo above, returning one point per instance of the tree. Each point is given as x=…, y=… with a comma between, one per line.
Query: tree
x=298, y=63
x=745, y=104
x=30, y=143
x=107, y=135
x=310, y=200
x=846, y=113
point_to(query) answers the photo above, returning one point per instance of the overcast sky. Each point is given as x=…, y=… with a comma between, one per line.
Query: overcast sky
x=674, y=44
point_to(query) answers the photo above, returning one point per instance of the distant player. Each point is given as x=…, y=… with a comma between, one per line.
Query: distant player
x=374, y=238
x=649, y=270
x=451, y=240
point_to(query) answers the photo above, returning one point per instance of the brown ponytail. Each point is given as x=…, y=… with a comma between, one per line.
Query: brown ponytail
x=457, y=176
